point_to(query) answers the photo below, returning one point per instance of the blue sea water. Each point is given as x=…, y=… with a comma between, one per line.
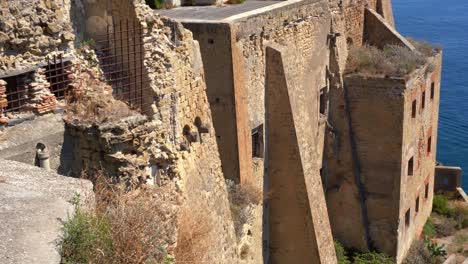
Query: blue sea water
x=444, y=22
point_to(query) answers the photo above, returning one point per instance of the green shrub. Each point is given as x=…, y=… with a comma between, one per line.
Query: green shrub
x=435, y=249
x=125, y=227
x=372, y=258
x=460, y=214
x=440, y=206
x=461, y=238
x=429, y=229
x=155, y=4
x=419, y=254
x=341, y=253
x=235, y=2
x=84, y=237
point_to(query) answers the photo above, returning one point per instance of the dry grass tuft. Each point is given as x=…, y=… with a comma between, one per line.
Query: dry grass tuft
x=92, y=102
x=126, y=227
x=241, y=198
x=393, y=60
x=426, y=48
x=194, y=237
x=419, y=254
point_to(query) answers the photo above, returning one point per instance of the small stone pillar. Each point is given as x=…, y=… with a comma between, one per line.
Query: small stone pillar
x=42, y=99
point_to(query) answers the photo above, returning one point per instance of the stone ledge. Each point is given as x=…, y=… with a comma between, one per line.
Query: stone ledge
x=33, y=205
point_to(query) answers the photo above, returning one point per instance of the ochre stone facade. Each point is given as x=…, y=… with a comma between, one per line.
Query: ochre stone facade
x=260, y=97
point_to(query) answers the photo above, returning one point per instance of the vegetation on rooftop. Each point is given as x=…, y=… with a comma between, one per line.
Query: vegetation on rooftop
x=425, y=48
x=392, y=60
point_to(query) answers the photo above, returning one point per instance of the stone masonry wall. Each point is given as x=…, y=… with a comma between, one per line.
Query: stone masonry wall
x=29, y=30
x=416, y=134
x=376, y=113
x=378, y=32
x=288, y=113
x=305, y=27
x=216, y=49
x=368, y=176
x=176, y=147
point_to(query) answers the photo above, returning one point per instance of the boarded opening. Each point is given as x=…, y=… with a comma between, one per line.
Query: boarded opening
x=411, y=166
x=413, y=109
x=257, y=142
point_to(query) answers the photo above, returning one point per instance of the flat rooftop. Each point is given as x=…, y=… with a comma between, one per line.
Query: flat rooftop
x=224, y=13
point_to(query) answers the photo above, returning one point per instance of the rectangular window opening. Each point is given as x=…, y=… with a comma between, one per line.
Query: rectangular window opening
x=323, y=103
x=257, y=142
x=57, y=72
x=423, y=100
x=411, y=166
x=426, y=191
x=413, y=109
x=16, y=93
x=417, y=205
x=432, y=90
x=429, y=145
x=408, y=217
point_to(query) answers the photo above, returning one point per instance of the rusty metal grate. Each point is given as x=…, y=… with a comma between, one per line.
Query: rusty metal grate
x=120, y=52
x=57, y=71
x=16, y=93
x=18, y=86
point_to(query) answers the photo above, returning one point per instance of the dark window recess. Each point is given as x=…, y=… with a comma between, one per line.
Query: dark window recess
x=413, y=109
x=16, y=92
x=423, y=100
x=429, y=145
x=411, y=166
x=426, y=191
x=257, y=142
x=445, y=181
x=56, y=72
x=408, y=217
x=432, y=90
x=417, y=205
x=323, y=101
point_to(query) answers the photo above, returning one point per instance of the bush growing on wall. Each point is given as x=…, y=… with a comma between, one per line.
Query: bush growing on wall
x=155, y=4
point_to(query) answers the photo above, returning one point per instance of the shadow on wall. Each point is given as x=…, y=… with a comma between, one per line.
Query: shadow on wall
x=66, y=155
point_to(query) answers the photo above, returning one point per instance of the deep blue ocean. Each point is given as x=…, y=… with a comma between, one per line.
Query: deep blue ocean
x=444, y=22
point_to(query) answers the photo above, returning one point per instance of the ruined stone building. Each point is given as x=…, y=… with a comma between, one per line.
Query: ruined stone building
x=256, y=93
